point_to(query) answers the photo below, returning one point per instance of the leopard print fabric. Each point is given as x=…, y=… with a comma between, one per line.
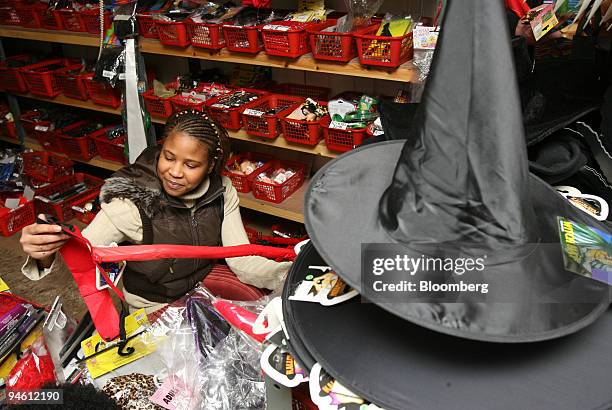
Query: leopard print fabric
x=132, y=391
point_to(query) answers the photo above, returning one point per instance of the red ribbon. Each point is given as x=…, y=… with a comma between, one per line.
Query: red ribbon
x=152, y=252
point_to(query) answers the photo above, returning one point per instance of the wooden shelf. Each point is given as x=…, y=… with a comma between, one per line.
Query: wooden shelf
x=407, y=72
x=280, y=142
x=291, y=208
x=95, y=161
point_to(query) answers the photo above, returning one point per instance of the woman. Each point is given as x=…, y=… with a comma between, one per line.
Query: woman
x=171, y=195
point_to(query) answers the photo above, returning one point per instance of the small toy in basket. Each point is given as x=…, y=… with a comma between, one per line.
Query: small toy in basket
x=196, y=98
x=226, y=109
x=278, y=181
x=110, y=142
x=260, y=117
x=86, y=208
x=242, y=168
x=300, y=123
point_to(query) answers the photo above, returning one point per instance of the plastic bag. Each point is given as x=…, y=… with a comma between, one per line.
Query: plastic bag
x=125, y=21
x=33, y=370
x=232, y=377
x=110, y=66
x=359, y=15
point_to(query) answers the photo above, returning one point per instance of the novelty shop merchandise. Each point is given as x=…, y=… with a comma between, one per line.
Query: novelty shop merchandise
x=440, y=272
x=539, y=338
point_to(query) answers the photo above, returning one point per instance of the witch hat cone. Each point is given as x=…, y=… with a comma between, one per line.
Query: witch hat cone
x=463, y=187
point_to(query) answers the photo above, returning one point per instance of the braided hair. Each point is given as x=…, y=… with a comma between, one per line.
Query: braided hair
x=198, y=125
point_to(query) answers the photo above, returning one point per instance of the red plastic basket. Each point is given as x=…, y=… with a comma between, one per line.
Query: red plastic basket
x=73, y=84
x=17, y=219
x=9, y=16
x=300, y=131
x=257, y=122
x=191, y=100
x=8, y=129
x=91, y=20
x=290, y=42
x=253, y=234
x=158, y=106
x=102, y=93
x=80, y=147
x=46, y=166
x=342, y=140
x=334, y=46
x=205, y=35
x=229, y=118
x=30, y=15
x=46, y=137
x=242, y=39
x=71, y=20
x=172, y=33
x=146, y=24
x=242, y=183
x=28, y=121
x=383, y=51
x=40, y=77
x=78, y=207
x=278, y=193
x=111, y=149
x=303, y=90
x=50, y=19
x=11, y=78
x=62, y=209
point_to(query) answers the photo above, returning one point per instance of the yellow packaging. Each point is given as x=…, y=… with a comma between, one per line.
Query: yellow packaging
x=110, y=360
x=397, y=28
x=3, y=286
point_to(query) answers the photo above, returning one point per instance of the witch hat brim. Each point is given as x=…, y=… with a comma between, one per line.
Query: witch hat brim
x=341, y=214
x=398, y=365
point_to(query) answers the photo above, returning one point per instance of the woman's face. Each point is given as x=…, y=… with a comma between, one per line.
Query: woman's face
x=183, y=163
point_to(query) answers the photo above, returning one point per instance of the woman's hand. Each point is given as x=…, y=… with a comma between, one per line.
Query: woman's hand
x=42, y=241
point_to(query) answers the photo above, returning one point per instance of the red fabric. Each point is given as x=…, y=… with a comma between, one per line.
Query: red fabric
x=223, y=283
x=33, y=370
x=238, y=317
x=77, y=255
x=518, y=7
x=160, y=251
x=260, y=4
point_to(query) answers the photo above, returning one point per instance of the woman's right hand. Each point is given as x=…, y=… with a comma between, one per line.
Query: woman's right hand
x=42, y=241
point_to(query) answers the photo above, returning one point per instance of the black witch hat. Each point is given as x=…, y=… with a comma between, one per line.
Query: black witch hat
x=463, y=186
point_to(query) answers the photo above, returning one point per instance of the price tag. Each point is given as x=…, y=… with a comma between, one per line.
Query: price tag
x=218, y=106
x=338, y=125
x=276, y=27
x=108, y=74
x=255, y=113
x=41, y=128
x=122, y=17
x=122, y=76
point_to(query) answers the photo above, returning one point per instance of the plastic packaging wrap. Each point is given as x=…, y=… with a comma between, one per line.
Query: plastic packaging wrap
x=110, y=66
x=125, y=21
x=360, y=13
x=33, y=370
x=207, y=364
x=57, y=329
x=232, y=378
